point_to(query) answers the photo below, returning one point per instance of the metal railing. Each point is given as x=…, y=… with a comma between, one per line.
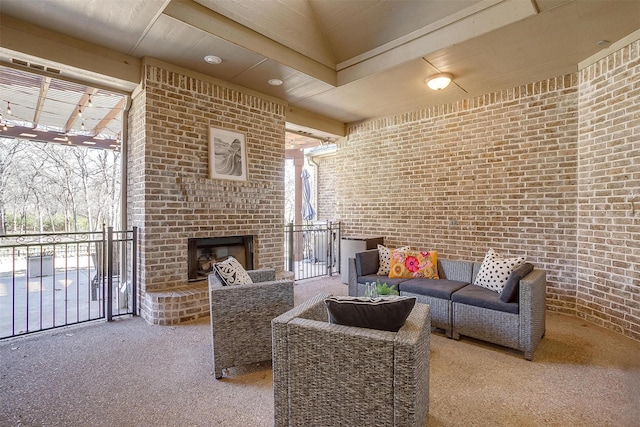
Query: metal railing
x=59, y=279
x=312, y=250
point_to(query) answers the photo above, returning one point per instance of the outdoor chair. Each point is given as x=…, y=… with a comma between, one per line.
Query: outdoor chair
x=326, y=374
x=241, y=318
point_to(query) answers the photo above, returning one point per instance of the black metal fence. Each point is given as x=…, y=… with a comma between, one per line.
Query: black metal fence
x=59, y=279
x=312, y=250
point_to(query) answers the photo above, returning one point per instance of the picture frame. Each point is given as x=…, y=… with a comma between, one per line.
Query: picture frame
x=227, y=154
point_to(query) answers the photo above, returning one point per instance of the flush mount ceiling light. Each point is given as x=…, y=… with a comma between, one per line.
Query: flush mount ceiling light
x=439, y=81
x=212, y=59
x=275, y=82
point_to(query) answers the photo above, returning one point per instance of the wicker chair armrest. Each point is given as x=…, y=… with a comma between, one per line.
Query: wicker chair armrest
x=533, y=288
x=314, y=309
x=262, y=275
x=417, y=327
x=243, y=296
x=532, y=300
x=411, y=372
x=257, y=276
x=353, y=278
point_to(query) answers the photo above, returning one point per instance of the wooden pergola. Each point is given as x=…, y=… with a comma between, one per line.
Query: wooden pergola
x=38, y=106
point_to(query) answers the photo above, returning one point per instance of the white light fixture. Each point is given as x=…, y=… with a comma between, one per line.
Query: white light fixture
x=275, y=82
x=439, y=81
x=212, y=59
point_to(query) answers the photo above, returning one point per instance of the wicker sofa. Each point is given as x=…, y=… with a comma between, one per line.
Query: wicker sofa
x=318, y=381
x=241, y=317
x=461, y=308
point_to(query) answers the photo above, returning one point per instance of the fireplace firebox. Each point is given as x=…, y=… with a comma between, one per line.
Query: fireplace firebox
x=204, y=252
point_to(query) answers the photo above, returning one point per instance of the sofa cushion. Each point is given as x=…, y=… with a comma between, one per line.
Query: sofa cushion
x=231, y=272
x=386, y=314
x=483, y=297
x=441, y=288
x=384, y=259
x=495, y=270
x=414, y=264
x=367, y=262
x=510, y=292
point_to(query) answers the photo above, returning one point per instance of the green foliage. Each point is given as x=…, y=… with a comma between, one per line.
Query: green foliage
x=384, y=289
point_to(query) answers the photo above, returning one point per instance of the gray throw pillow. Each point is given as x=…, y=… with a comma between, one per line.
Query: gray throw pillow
x=386, y=314
x=511, y=290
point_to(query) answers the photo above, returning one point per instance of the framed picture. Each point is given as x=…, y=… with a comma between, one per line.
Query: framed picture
x=227, y=155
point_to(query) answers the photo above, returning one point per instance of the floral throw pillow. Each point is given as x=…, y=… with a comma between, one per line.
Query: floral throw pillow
x=231, y=272
x=384, y=257
x=413, y=264
x=495, y=270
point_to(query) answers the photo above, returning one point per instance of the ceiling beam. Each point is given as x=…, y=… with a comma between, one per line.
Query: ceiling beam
x=307, y=119
x=75, y=58
x=88, y=93
x=469, y=23
x=45, y=82
x=203, y=18
x=82, y=105
x=109, y=117
x=39, y=135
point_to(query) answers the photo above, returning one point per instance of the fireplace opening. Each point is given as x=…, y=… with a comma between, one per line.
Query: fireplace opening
x=204, y=252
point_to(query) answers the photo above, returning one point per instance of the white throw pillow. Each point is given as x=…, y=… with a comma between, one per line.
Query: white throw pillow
x=384, y=257
x=231, y=272
x=495, y=270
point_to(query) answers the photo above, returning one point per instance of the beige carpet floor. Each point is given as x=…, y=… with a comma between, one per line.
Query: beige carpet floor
x=130, y=373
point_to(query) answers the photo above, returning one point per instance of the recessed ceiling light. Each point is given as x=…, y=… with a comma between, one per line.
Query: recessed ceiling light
x=212, y=59
x=275, y=82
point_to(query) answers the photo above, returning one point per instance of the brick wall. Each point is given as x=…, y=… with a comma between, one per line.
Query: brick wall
x=608, y=280
x=550, y=170
x=171, y=197
x=497, y=171
x=326, y=206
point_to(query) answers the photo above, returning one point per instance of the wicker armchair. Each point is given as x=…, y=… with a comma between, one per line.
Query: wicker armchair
x=241, y=318
x=329, y=375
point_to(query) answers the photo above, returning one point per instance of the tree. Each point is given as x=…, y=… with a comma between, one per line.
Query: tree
x=9, y=149
x=44, y=185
